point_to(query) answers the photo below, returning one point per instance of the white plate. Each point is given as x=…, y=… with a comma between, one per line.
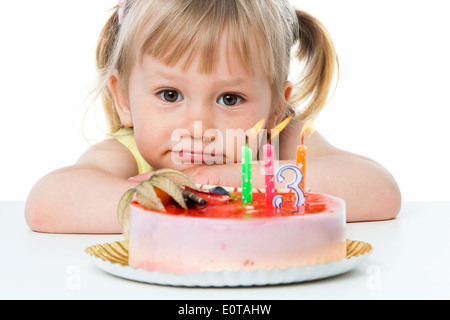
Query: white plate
x=233, y=278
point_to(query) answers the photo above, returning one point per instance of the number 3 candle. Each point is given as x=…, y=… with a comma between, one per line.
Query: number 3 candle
x=298, y=185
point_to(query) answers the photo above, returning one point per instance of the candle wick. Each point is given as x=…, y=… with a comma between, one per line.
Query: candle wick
x=246, y=140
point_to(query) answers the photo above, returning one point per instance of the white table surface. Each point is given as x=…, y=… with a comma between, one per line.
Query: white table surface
x=410, y=260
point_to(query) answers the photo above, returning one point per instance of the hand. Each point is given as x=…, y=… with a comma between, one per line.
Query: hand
x=229, y=175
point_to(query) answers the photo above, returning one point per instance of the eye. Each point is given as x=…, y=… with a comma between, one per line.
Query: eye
x=170, y=96
x=229, y=99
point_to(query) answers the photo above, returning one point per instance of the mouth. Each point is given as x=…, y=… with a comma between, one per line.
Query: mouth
x=200, y=157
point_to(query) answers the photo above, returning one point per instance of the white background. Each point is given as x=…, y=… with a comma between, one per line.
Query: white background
x=392, y=102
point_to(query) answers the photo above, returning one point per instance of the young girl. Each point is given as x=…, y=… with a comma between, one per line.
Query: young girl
x=200, y=68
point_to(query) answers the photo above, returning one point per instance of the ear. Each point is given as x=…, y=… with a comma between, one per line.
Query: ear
x=120, y=98
x=282, y=106
x=280, y=109
x=287, y=91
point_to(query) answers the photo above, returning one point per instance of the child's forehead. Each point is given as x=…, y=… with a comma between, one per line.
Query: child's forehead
x=223, y=59
x=207, y=52
x=225, y=72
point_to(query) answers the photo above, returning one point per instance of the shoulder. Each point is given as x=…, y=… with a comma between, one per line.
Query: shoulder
x=110, y=156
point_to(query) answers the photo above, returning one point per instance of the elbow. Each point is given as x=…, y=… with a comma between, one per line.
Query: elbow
x=36, y=215
x=395, y=202
x=40, y=208
x=387, y=205
x=33, y=216
x=383, y=202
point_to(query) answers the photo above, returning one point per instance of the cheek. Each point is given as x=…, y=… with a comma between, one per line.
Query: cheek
x=150, y=128
x=251, y=117
x=152, y=139
x=263, y=107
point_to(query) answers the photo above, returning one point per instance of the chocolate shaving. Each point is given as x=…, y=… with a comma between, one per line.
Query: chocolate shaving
x=194, y=197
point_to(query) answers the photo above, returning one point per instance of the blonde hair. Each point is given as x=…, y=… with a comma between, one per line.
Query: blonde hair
x=170, y=30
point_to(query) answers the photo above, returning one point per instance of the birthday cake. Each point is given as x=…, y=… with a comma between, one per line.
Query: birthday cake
x=177, y=227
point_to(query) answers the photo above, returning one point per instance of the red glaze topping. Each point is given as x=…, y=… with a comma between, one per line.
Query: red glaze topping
x=220, y=206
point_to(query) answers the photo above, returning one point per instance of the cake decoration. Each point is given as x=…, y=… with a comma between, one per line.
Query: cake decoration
x=294, y=185
x=153, y=193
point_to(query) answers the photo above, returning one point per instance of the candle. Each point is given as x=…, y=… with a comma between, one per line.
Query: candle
x=293, y=185
x=269, y=172
x=246, y=173
x=247, y=158
x=269, y=151
x=302, y=152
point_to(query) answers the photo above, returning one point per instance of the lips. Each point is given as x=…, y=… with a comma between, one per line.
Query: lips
x=197, y=157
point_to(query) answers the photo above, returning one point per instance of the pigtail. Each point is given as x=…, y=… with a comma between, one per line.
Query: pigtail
x=105, y=50
x=317, y=54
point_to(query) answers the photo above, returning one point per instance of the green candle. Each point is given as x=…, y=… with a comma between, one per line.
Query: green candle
x=247, y=163
x=246, y=174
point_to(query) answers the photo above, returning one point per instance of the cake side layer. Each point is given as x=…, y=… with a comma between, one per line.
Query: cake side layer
x=181, y=244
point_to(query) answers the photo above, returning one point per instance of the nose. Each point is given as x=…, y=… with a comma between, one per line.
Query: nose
x=199, y=121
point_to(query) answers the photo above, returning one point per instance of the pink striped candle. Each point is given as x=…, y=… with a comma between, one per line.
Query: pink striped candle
x=269, y=172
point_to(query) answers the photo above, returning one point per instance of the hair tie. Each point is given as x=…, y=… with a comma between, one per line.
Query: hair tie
x=121, y=12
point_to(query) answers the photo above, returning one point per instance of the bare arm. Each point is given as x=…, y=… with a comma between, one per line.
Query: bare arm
x=370, y=191
x=83, y=198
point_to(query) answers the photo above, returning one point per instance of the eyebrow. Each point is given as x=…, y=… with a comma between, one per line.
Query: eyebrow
x=221, y=81
x=236, y=81
x=166, y=75
x=173, y=76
